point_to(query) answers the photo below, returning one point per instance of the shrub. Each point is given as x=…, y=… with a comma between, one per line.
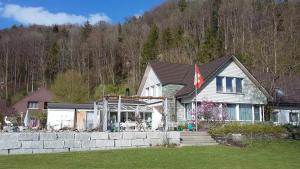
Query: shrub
x=182, y=126
x=247, y=129
x=109, y=89
x=70, y=86
x=294, y=131
x=209, y=124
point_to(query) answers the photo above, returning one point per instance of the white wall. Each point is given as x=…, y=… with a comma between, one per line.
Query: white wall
x=60, y=118
x=156, y=118
x=151, y=80
x=251, y=93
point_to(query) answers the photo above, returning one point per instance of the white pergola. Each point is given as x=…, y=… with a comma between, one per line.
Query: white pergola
x=129, y=104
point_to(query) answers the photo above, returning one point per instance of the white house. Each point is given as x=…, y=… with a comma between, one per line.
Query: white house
x=67, y=115
x=285, y=90
x=227, y=82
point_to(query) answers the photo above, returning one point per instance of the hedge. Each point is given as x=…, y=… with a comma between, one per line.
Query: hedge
x=247, y=129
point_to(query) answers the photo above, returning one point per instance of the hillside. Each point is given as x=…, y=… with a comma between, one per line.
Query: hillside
x=263, y=34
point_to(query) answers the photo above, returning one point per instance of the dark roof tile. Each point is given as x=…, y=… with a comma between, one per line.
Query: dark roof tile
x=41, y=95
x=170, y=73
x=289, y=85
x=52, y=105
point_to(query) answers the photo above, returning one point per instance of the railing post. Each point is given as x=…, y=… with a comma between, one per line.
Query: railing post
x=105, y=110
x=166, y=113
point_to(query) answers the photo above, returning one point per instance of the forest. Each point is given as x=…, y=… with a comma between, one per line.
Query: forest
x=263, y=34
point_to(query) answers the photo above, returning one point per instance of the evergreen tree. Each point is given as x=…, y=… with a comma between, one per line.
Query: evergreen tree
x=213, y=40
x=150, y=48
x=55, y=29
x=86, y=30
x=182, y=5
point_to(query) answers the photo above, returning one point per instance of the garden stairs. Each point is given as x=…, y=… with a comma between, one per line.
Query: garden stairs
x=201, y=138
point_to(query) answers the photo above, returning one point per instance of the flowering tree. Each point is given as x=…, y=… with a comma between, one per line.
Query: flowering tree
x=210, y=111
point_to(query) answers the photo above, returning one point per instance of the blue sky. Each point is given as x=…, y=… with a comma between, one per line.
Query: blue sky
x=48, y=12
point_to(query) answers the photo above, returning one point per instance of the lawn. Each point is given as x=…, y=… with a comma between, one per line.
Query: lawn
x=275, y=154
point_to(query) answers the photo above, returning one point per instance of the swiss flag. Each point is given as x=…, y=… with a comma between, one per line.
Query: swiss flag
x=198, y=80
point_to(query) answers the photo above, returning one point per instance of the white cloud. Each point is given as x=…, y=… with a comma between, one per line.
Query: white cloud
x=41, y=16
x=95, y=18
x=139, y=14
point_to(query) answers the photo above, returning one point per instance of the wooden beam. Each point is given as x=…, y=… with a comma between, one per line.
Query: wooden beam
x=136, y=97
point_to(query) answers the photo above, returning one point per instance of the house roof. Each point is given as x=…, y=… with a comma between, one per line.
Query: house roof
x=40, y=95
x=52, y=105
x=55, y=105
x=127, y=101
x=183, y=74
x=284, y=88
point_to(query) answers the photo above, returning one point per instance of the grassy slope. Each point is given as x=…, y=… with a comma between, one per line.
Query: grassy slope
x=283, y=154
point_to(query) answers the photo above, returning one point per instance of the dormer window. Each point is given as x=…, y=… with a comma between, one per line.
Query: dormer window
x=33, y=105
x=229, y=84
x=229, y=87
x=219, y=81
x=239, y=87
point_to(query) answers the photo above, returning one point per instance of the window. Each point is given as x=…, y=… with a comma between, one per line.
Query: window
x=142, y=115
x=158, y=90
x=123, y=116
x=145, y=116
x=113, y=116
x=274, y=116
x=229, y=87
x=147, y=91
x=33, y=105
x=231, y=112
x=148, y=117
x=239, y=88
x=219, y=81
x=245, y=112
x=130, y=116
x=89, y=119
x=293, y=117
x=127, y=116
x=152, y=90
x=188, y=109
x=256, y=113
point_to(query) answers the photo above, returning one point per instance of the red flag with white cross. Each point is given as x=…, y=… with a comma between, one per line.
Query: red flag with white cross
x=198, y=80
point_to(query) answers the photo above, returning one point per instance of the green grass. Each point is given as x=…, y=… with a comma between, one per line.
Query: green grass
x=275, y=154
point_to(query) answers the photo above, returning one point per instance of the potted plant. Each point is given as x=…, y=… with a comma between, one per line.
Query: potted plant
x=182, y=127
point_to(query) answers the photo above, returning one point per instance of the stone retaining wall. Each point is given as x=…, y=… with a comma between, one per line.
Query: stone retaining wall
x=51, y=142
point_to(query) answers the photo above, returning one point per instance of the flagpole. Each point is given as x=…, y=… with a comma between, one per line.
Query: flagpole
x=196, y=111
